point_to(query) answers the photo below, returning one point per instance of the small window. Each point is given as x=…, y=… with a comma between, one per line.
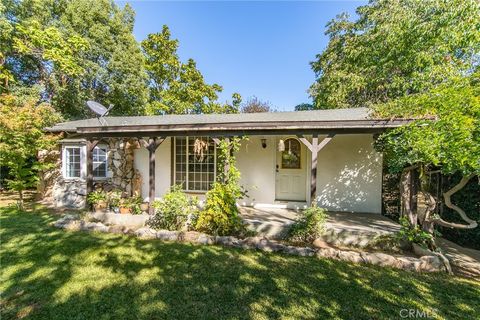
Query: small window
x=99, y=156
x=72, y=162
x=194, y=171
x=291, y=156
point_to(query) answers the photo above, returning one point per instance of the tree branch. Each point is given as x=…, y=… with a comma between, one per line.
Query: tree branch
x=448, y=202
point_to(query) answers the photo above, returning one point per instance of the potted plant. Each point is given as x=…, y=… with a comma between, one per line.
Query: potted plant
x=134, y=203
x=98, y=199
x=125, y=206
x=114, y=198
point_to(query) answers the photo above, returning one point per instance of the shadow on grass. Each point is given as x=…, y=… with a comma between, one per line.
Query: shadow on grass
x=49, y=273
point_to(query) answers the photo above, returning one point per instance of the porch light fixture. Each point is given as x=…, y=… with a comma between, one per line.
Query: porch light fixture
x=264, y=143
x=281, y=146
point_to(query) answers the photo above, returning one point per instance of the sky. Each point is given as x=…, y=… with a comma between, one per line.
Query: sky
x=255, y=48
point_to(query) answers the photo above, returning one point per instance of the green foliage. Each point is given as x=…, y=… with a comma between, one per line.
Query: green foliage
x=221, y=214
x=77, y=50
x=414, y=234
x=451, y=142
x=309, y=227
x=176, y=87
x=395, y=48
x=132, y=203
x=114, y=198
x=22, y=119
x=174, y=210
x=97, y=196
x=304, y=107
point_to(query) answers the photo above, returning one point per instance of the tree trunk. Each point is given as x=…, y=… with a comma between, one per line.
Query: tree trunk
x=20, y=200
x=408, y=193
x=471, y=224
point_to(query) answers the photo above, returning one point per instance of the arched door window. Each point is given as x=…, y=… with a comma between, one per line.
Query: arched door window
x=291, y=156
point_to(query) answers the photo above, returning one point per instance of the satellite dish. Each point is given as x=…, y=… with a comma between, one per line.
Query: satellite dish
x=99, y=110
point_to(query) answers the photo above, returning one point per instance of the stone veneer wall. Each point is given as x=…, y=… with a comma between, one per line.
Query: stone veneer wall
x=72, y=193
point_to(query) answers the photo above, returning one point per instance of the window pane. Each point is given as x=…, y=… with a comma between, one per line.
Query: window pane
x=195, y=159
x=99, y=159
x=72, y=162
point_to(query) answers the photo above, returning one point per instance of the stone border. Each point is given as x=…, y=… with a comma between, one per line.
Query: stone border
x=422, y=264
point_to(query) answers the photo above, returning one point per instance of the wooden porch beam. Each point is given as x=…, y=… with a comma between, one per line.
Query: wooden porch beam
x=314, y=148
x=90, y=145
x=152, y=146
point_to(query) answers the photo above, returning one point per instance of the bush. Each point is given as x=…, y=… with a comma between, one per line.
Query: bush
x=133, y=203
x=174, y=211
x=97, y=196
x=114, y=198
x=309, y=227
x=221, y=215
x=414, y=235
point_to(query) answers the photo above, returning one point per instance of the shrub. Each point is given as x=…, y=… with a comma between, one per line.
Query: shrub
x=309, y=226
x=97, y=196
x=114, y=198
x=414, y=234
x=133, y=203
x=220, y=215
x=173, y=211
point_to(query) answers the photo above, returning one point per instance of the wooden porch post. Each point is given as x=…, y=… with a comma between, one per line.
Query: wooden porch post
x=226, y=168
x=91, y=144
x=152, y=145
x=314, y=148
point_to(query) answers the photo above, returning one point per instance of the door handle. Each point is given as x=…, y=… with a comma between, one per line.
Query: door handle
x=276, y=168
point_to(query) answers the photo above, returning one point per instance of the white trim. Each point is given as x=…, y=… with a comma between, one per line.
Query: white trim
x=107, y=171
x=64, y=161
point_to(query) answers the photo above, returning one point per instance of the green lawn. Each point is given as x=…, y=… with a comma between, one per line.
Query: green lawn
x=48, y=273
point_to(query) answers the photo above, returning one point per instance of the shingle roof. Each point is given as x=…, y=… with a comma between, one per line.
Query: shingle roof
x=332, y=115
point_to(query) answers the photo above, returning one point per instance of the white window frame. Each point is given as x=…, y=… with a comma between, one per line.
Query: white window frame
x=187, y=164
x=104, y=147
x=64, y=161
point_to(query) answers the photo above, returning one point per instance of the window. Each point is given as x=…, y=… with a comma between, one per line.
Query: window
x=194, y=171
x=291, y=155
x=72, y=162
x=99, y=156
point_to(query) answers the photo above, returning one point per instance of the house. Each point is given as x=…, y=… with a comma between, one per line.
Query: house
x=289, y=158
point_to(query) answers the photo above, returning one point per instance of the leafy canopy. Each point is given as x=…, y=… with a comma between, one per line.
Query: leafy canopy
x=22, y=120
x=395, y=48
x=176, y=87
x=451, y=142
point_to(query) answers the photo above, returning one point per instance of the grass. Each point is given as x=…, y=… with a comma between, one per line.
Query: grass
x=47, y=273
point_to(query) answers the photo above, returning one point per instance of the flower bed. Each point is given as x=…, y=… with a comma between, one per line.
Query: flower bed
x=422, y=264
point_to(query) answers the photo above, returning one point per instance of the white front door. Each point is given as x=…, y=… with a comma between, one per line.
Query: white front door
x=291, y=171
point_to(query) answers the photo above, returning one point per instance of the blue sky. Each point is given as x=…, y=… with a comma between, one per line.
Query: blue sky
x=258, y=49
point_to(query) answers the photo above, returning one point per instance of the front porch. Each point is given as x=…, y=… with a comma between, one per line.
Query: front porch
x=342, y=229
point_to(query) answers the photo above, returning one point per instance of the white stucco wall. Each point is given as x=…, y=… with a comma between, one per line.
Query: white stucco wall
x=349, y=176
x=348, y=179
x=162, y=168
x=257, y=168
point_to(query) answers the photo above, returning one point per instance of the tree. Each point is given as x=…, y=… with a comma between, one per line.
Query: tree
x=395, y=48
x=304, y=107
x=254, y=105
x=22, y=120
x=445, y=137
x=77, y=51
x=176, y=87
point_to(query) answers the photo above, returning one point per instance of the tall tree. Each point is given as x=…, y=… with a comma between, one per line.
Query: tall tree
x=395, y=48
x=22, y=120
x=176, y=87
x=254, y=105
x=77, y=50
x=450, y=143
x=304, y=107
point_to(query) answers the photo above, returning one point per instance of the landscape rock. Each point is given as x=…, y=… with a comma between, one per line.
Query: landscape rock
x=327, y=253
x=146, y=233
x=205, y=239
x=228, y=241
x=431, y=264
x=299, y=251
x=270, y=246
x=94, y=226
x=350, y=256
x=116, y=229
x=167, y=235
x=321, y=244
x=380, y=259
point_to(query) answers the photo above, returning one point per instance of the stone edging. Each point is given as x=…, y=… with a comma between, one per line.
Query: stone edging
x=422, y=264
